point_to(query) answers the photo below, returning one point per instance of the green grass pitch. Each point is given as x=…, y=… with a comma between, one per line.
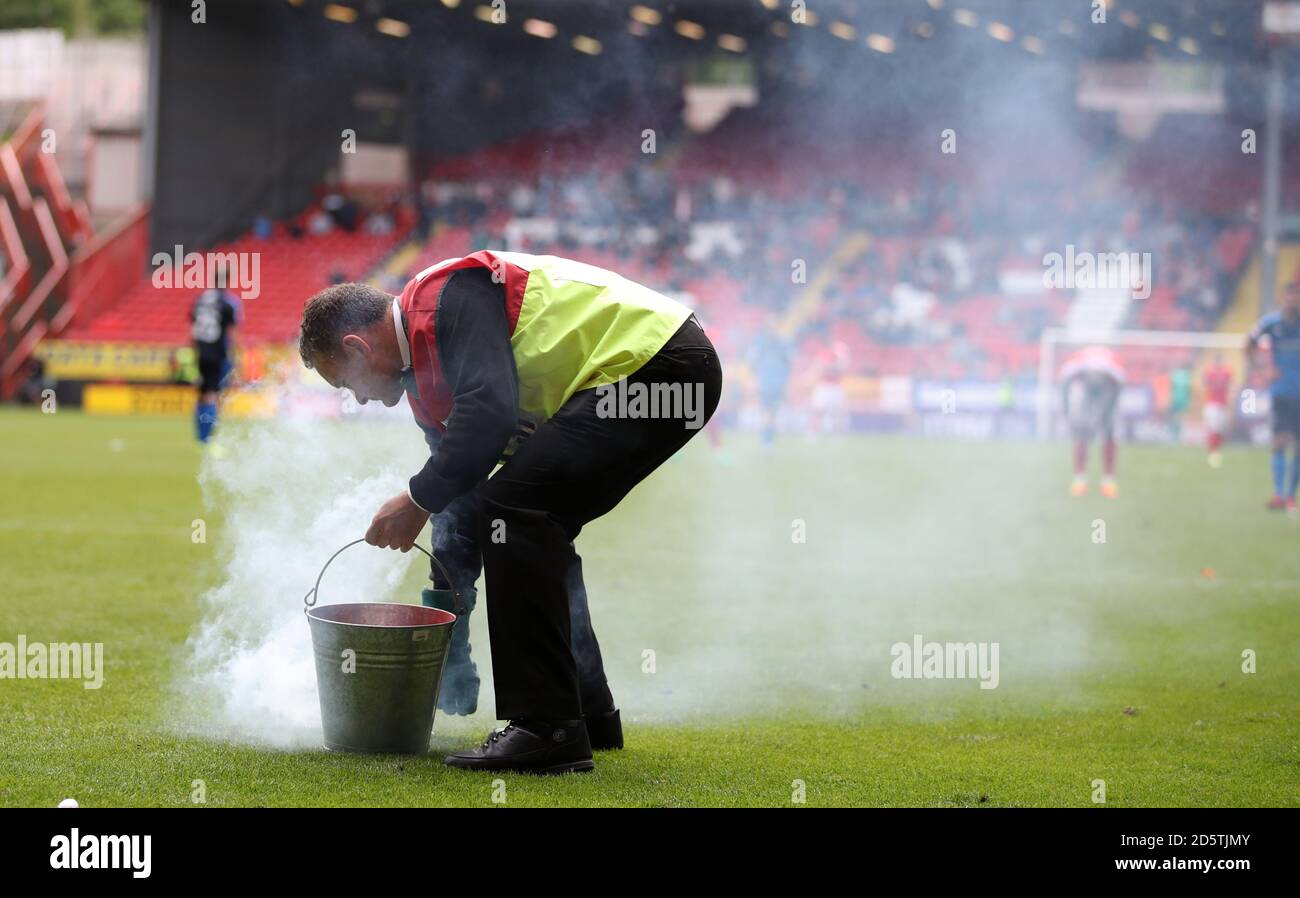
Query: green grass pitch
x=1120, y=660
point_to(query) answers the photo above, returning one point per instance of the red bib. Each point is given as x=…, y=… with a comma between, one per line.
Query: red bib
x=419, y=304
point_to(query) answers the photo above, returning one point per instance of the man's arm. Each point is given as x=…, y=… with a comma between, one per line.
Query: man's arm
x=479, y=365
x=231, y=318
x=1252, y=341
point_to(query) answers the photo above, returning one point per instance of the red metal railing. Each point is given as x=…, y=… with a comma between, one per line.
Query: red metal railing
x=71, y=216
x=30, y=323
x=40, y=224
x=104, y=269
x=19, y=268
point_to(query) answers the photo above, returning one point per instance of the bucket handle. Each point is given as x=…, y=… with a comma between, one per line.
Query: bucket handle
x=312, y=594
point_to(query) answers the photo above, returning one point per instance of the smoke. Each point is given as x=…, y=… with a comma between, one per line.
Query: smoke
x=287, y=494
x=721, y=615
x=772, y=595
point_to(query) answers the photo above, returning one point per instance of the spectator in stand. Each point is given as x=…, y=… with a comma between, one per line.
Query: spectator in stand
x=320, y=223
x=263, y=227
x=342, y=210
x=379, y=223
x=425, y=210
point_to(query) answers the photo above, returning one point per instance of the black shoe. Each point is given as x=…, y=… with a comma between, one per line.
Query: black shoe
x=530, y=746
x=604, y=730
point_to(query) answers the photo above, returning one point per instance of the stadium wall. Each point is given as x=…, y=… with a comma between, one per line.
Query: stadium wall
x=237, y=129
x=247, y=109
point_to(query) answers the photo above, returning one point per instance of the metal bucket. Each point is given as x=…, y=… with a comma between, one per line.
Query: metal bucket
x=378, y=670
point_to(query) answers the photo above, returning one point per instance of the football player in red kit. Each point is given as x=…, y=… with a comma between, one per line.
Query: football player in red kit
x=1217, y=381
x=1092, y=380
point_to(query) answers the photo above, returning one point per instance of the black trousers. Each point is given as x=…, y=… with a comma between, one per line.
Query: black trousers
x=456, y=545
x=576, y=467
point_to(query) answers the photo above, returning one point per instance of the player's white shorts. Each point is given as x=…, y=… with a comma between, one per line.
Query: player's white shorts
x=1215, y=416
x=828, y=396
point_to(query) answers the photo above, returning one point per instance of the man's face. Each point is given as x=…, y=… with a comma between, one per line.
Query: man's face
x=356, y=369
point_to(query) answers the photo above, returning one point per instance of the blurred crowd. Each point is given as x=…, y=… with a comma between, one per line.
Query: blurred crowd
x=915, y=273
x=944, y=265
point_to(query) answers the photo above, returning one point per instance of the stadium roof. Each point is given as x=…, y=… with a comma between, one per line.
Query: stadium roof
x=1221, y=30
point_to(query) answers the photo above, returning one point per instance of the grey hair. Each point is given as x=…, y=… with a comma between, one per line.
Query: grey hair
x=335, y=312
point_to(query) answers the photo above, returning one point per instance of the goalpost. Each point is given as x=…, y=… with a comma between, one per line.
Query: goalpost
x=1186, y=349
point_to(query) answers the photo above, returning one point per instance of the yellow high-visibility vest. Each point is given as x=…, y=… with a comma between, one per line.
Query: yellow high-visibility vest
x=573, y=326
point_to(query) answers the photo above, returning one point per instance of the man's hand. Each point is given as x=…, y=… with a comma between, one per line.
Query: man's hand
x=397, y=524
